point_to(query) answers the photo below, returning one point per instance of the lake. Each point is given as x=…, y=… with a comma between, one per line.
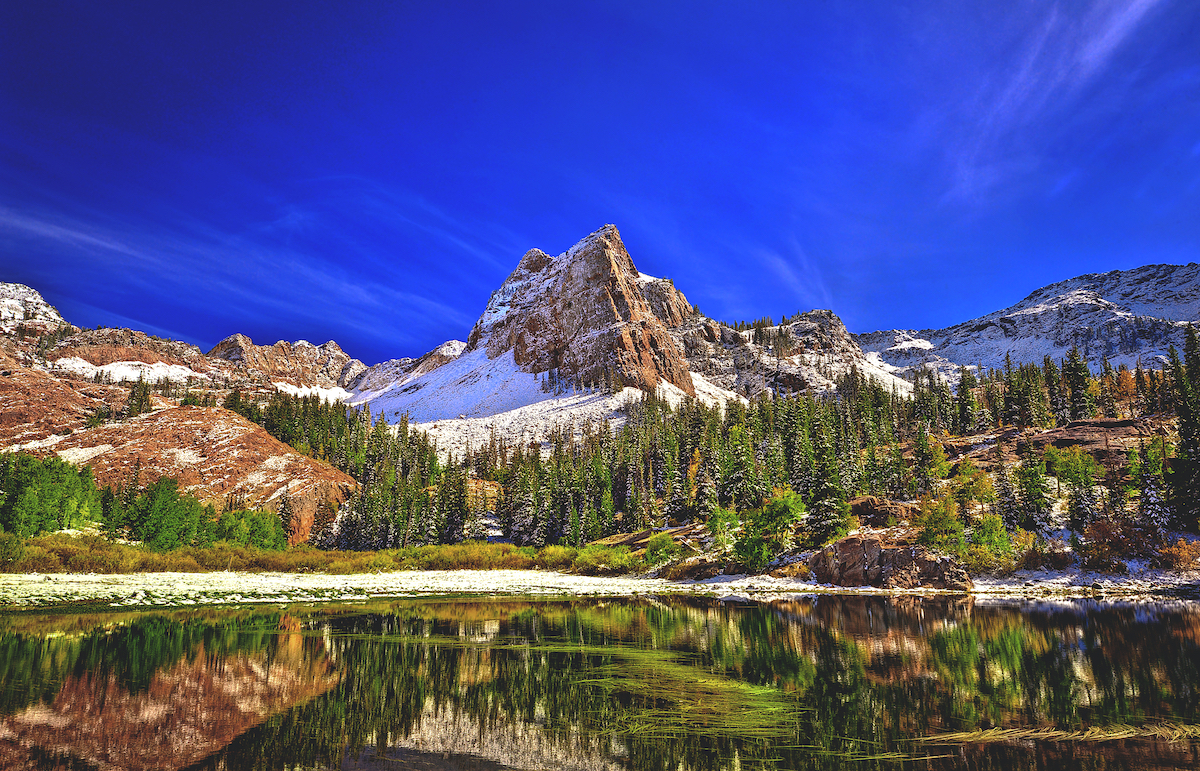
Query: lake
x=827, y=682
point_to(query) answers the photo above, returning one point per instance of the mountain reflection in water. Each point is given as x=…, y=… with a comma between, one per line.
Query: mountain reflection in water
x=828, y=682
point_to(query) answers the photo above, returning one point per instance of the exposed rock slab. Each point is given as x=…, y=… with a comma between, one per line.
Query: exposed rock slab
x=300, y=363
x=866, y=561
x=584, y=314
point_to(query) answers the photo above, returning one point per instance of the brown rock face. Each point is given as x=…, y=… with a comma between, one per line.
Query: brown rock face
x=34, y=405
x=585, y=314
x=214, y=453
x=876, y=512
x=300, y=363
x=865, y=561
x=105, y=346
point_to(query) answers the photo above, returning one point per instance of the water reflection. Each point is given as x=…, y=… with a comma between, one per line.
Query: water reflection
x=831, y=682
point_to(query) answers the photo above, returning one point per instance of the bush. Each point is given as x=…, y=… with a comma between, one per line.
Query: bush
x=661, y=548
x=1183, y=555
x=721, y=524
x=991, y=547
x=12, y=549
x=942, y=530
x=556, y=558
x=603, y=560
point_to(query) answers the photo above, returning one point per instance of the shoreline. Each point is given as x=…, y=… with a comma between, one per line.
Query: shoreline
x=131, y=591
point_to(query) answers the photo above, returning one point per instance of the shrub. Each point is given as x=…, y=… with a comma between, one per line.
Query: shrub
x=12, y=549
x=721, y=524
x=941, y=529
x=603, y=560
x=661, y=548
x=555, y=558
x=1183, y=555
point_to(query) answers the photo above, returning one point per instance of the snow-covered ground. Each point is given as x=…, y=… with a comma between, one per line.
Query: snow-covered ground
x=222, y=588
x=126, y=371
x=334, y=394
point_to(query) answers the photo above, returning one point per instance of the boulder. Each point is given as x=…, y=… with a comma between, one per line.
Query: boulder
x=875, y=512
x=866, y=561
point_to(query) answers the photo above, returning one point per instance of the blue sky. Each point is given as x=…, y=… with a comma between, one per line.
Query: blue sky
x=370, y=172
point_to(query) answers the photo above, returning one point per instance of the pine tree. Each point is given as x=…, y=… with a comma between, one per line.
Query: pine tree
x=1078, y=378
x=1007, y=505
x=1032, y=491
x=829, y=513
x=1185, y=477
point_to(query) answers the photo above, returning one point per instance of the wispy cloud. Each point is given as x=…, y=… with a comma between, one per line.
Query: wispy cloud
x=255, y=274
x=1061, y=52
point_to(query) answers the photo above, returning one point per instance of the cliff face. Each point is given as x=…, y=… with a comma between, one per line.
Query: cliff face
x=584, y=313
x=300, y=363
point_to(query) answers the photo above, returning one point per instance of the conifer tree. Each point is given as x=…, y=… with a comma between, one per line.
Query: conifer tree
x=829, y=513
x=1078, y=378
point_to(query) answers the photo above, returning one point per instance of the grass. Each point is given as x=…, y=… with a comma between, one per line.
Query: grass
x=60, y=553
x=1166, y=731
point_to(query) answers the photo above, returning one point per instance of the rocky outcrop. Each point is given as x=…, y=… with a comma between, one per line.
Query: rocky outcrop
x=866, y=561
x=809, y=352
x=300, y=363
x=876, y=512
x=109, y=346
x=215, y=454
x=19, y=303
x=584, y=314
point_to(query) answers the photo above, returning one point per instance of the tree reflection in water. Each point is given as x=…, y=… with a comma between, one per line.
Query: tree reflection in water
x=827, y=682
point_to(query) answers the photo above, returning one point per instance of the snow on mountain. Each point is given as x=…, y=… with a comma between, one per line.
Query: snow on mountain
x=126, y=371
x=20, y=303
x=1124, y=315
x=394, y=372
x=561, y=332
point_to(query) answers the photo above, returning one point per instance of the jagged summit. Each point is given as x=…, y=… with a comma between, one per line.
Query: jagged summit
x=585, y=315
x=1122, y=315
x=300, y=363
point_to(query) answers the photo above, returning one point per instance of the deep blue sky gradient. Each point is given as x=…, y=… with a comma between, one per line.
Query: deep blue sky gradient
x=370, y=172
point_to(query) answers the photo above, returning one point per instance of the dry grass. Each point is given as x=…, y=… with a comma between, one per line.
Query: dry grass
x=59, y=553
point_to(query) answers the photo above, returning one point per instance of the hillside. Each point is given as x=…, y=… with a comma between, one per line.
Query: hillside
x=1124, y=315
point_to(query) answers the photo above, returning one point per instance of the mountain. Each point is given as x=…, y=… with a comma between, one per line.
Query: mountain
x=299, y=364
x=570, y=339
x=1124, y=315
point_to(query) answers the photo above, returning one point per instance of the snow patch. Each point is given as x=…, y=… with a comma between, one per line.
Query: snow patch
x=126, y=371
x=334, y=394
x=81, y=455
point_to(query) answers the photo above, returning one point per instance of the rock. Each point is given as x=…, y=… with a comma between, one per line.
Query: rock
x=584, y=314
x=875, y=512
x=865, y=561
x=794, y=570
x=300, y=363
x=697, y=568
x=215, y=454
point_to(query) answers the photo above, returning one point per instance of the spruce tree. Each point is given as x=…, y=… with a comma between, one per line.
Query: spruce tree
x=829, y=513
x=1078, y=379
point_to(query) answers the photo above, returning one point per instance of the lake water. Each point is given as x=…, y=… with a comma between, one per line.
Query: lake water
x=670, y=683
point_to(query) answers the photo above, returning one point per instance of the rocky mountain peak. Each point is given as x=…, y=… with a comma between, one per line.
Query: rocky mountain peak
x=585, y=313
x=300, y=363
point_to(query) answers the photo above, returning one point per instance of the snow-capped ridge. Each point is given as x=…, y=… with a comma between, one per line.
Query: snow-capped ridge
x=1125, y=316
